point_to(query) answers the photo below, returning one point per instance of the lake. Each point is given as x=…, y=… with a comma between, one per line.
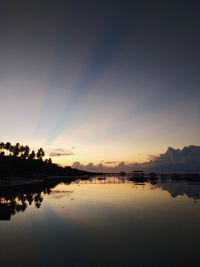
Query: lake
x=101, y=221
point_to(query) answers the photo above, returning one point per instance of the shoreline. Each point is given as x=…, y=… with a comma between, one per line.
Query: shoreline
x=12, y=182
x=20, y=181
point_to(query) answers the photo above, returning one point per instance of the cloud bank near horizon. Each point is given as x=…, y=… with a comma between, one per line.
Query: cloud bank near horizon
x=186, y=159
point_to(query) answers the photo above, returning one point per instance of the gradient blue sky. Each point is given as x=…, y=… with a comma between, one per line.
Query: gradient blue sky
x=103, y=80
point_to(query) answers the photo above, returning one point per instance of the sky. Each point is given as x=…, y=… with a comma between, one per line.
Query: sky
x=100, y=81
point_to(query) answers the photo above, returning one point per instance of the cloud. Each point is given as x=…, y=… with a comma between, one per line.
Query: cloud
x=53, y=154
x=111, y=162
x=151, y=157
x=57, y=152
x=187, y=159
x=128, y=167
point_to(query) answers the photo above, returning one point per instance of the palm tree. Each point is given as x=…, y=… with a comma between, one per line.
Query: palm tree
x=8, y=146
x=40, y=153
x=32, y=155
x=26, y=153
x=16, y=150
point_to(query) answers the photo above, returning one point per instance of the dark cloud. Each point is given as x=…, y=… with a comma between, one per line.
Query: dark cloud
x=57, y=152
x=53, y=154
x=111, y=162
x=151, y=157
x=186, y=159
x=104, y=168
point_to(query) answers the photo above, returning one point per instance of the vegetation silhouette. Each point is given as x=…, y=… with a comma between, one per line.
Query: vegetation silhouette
x=20, y=151
x=17, y=161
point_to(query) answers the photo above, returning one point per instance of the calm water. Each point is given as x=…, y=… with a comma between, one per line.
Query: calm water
x=110, y=222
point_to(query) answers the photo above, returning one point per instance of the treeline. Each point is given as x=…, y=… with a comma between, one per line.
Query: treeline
x=22, y=152
x=19, y=161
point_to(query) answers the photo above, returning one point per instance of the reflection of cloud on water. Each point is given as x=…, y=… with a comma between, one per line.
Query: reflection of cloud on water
x=58, y=194
x=191, y=190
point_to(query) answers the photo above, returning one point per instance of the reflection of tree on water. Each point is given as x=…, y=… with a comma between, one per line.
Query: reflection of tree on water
x=12, y=205
x=5, y=211
x=19, y=198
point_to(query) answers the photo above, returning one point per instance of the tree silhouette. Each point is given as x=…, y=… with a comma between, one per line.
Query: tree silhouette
x=32, y=155
x=48, y=161
x=26, y=150
x=2, y=145
x=40, y=154
x=22, y=152
x=16, y=150
x=8, y=146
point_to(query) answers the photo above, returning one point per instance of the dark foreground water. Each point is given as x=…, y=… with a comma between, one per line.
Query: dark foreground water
x=110, y=222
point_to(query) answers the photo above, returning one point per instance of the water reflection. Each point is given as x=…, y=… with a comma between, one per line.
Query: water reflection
x=17, y=199
x=101, y=221
x=181, y=188
x=11, y=205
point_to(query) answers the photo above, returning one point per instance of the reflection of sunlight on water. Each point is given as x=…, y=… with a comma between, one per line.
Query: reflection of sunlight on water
x=98, y=199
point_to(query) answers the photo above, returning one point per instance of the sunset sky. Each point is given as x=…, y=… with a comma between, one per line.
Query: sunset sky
x=98, y=81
